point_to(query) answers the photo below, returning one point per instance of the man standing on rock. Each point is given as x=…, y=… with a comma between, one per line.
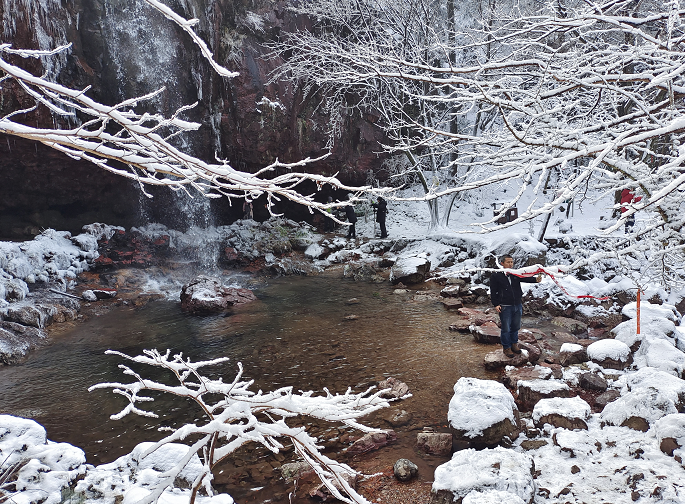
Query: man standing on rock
x=506, y=294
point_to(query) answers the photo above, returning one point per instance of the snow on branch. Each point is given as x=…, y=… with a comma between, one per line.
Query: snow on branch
x=235, y=415
x=585, y=94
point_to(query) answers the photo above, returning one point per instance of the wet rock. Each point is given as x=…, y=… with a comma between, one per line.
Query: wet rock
x=462, y=325
x=479, y=317
x=452, y=303
x=603, y=399
x=451, y=291
x=482, y=413
x=487, y=333
x=564, y=337
x=104, y=293
x=17, y=340
x=534, y=351
x=295, y=470
x=206, y=295
x=592, y=381
x=350, y=317
x=397, y=418
x=570, y=325
x=371, y=441
x=410, y=270
x=569, y=413
x=434, y=443
x=27, y=315
x=571, y=353
x=497, y=360
x=405, y=469
x=531, y=392
x=610, y=353
x=397, y=388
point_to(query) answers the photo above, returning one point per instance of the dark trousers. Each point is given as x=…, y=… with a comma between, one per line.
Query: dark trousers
x=351, y=231
x=384, y=232
x=510, y=316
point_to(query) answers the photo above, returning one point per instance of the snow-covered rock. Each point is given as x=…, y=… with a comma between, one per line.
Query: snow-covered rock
x=45, y=469
x=482, y=412
x=314, y=251
x=570, y=412
x=478, y=473
x=572, y=353
x=639, y=408
x=134, y=476
x=660, y=354
x=206, y=294
x=410, y=270
x=610, y=353
x=670, y=433
x=532, y=391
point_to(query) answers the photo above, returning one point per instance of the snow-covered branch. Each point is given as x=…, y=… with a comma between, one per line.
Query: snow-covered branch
x=235, y=415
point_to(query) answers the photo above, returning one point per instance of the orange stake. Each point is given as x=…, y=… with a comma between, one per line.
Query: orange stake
x=638, y=311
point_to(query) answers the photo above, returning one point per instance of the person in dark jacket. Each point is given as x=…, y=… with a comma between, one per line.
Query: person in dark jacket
x=352, y=219
x=506, y=294
x=381, y=211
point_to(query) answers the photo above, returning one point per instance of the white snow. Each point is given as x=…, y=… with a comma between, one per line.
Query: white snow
x=570, y=348
x=608, y=349
x=568, y=407
x=478, y=404
x=498, y=469
x=543, y=386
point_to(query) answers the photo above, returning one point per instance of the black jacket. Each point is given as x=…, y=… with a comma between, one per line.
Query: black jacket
x=381, y=209
x=504, y=293
x=349, y=213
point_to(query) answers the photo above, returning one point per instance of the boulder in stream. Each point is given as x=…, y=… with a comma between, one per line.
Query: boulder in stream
x=206, y=295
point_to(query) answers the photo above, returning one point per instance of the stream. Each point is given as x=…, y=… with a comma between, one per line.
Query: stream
x=296, y=334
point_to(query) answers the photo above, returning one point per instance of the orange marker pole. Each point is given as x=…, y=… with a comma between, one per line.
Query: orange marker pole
x=638, y=311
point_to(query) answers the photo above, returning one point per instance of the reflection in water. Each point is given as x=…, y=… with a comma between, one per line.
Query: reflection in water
x=296, y=335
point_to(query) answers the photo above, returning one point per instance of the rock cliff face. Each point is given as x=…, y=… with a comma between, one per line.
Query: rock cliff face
x=123, y=49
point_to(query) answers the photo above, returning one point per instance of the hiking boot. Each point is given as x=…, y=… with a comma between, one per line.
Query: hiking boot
x=508, y=352
x=516, y=348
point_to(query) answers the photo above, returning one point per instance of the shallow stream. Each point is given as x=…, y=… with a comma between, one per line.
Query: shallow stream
x=296, y=334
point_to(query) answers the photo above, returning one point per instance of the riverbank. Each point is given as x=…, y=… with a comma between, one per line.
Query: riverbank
x=163, y=264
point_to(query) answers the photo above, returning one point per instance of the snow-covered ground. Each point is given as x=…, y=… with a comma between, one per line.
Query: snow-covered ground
x=605, y=463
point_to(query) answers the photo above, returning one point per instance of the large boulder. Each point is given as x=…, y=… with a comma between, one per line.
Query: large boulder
x=570, y=413
x=497, y=360
x=17, y=340
x=482, y=413
x=503, y=474
x=610, y=353
x=410, y=270
x=206, y=295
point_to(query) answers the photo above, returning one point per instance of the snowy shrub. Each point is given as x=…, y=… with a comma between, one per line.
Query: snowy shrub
x=236, y=415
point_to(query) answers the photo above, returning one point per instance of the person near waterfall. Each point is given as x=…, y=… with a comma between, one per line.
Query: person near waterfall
x=506, y=296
